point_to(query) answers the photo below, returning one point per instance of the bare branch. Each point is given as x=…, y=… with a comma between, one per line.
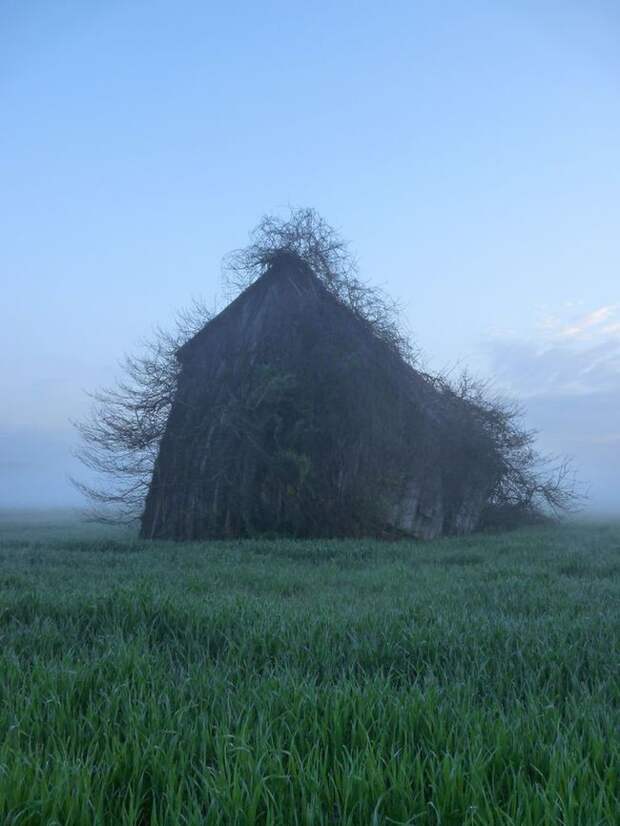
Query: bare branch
x=306, y=235
x=121, y=436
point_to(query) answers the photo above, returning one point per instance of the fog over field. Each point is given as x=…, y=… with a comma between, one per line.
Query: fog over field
x=470, y=156
x=566, y=374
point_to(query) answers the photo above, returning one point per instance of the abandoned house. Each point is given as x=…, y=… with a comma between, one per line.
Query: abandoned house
x=292, y=416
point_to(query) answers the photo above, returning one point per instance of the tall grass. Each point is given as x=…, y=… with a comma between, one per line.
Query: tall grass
x=469, y=681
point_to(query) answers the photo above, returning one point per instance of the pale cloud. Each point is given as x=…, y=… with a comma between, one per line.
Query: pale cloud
x=567, y=374
x=589, y=325
x=565, y=354
x=607, y=439
x=529, y=367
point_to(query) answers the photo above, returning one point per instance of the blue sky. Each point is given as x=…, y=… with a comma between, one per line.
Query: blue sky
x=469, y=151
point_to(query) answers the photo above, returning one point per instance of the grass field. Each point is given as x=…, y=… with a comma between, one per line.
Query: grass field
x=462, y=681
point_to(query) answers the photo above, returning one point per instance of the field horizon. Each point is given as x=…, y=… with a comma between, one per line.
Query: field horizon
x=470, y=680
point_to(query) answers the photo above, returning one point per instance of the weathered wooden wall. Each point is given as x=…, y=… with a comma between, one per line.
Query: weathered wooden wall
x=292, y=417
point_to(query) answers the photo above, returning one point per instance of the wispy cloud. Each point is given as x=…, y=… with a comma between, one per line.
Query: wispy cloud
x=567, y=372
x=590, y=325
x=562, y=357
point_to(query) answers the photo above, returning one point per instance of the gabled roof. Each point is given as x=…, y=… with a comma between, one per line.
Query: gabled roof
x=289, y=293
x=288, y=281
